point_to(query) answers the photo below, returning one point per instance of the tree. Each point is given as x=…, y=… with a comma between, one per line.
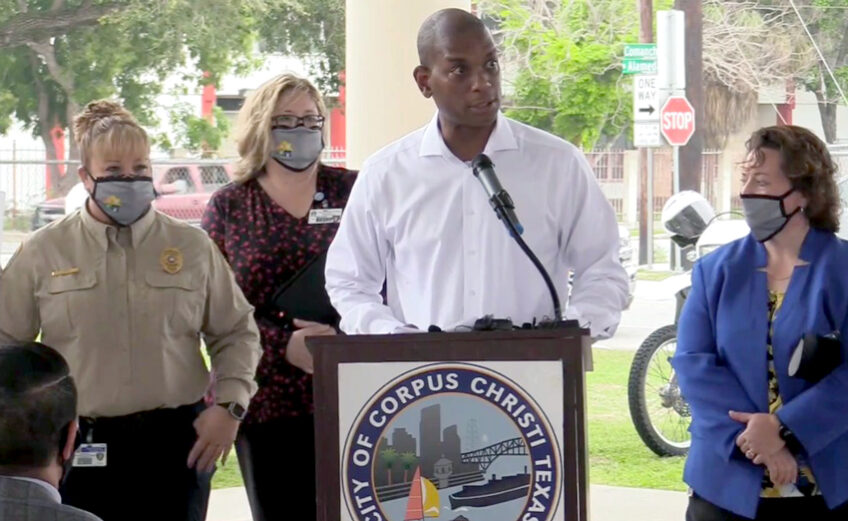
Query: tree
x=313, y=30
x=749, y=46
x=407, y=459
x=60, y=54
x=563, y=60
x=826, y=21
x=390, y=456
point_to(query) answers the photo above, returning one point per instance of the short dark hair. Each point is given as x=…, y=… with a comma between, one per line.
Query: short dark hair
x=38, y=401
x=441, y=25
x=805, y=160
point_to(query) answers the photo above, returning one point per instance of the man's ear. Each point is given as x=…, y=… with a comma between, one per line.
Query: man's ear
x=422, y=79
x=70, y=447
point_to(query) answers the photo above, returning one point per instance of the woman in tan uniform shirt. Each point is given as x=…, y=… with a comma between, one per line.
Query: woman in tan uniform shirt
x=125, y=294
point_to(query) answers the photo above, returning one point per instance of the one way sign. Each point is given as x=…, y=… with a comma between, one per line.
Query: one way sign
x=645, y=98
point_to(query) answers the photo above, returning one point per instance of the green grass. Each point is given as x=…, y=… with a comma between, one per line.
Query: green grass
x=18, y=223
x=229, y=476
x=617, y=455
x=653, y=275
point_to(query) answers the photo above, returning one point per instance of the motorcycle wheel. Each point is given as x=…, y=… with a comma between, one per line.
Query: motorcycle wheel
x=659, y=412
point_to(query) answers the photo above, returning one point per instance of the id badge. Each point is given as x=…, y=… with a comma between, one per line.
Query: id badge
x=325, y=216
x=90, y=455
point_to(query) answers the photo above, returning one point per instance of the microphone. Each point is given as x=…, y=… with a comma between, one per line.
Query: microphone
x=498, y=197
x=505, y=210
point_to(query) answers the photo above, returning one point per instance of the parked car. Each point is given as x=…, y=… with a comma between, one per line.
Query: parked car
x=184, y=191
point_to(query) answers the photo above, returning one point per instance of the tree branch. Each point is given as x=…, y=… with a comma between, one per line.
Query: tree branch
x=48, y=53
x=30, y=27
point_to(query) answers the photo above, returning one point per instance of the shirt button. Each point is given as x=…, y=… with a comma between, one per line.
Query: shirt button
x=472, y=293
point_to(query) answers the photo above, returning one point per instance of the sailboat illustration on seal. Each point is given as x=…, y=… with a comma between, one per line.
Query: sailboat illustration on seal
x=423, y=499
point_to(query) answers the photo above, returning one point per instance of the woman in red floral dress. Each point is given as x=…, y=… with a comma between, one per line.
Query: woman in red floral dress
x=268, y=227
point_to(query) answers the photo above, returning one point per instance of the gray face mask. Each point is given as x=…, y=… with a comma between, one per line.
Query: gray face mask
x=766, y=214
x=297, y=148
x=125, y=199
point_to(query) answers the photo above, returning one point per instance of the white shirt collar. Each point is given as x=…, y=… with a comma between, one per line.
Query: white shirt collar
x=433, y=144
x=51, y=490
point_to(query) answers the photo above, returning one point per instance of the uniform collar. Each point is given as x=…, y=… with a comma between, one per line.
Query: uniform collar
x=433, y=144
x=99, y=230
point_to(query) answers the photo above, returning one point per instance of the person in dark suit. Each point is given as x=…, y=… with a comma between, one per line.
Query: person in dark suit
x=38, y=430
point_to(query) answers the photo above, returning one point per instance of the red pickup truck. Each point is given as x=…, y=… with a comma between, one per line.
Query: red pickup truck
x=185, y=189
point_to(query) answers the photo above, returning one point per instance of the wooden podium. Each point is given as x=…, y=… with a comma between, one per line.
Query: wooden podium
x=451, y=426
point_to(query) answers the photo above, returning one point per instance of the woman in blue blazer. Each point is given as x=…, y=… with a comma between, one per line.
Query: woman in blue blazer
x=765, y=445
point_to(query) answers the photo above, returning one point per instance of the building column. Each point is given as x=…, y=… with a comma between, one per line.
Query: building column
x=383, y=103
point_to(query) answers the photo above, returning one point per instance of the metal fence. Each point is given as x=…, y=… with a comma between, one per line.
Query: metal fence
x=24, y=175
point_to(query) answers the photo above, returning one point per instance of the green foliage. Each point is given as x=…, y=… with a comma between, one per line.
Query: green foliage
x=313, y=30
x=126, y=54
x=195, y=133
x=568, y=65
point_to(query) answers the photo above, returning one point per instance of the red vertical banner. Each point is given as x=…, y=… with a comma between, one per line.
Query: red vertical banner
x=338, y=138
x=207, y=100
x=785, y=110
x=57, y=135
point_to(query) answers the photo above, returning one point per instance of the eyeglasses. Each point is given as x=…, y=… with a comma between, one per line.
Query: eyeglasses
x=288, y=121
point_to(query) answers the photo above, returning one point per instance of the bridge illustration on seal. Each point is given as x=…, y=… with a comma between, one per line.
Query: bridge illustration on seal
x=486, y=456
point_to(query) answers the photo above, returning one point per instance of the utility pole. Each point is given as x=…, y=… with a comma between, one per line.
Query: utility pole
x=690, y=154
x=646, y=204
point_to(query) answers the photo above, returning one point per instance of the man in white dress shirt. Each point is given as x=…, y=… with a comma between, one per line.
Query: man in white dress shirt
x=420, y=221
x=38, y=427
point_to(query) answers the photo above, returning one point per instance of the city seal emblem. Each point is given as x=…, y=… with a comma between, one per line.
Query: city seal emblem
x=451, y=441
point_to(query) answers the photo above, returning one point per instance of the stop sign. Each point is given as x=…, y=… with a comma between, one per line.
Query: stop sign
x=677, y=121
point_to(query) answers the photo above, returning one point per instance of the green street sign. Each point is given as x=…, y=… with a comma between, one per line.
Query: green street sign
x=639, y=67
x=641, y=51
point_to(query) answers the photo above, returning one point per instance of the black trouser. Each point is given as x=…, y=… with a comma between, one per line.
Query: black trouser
x=277, y=460
x=146, y=476
x=770, y=509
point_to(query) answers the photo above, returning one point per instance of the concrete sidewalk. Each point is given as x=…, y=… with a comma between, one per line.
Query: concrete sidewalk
x=607, y=504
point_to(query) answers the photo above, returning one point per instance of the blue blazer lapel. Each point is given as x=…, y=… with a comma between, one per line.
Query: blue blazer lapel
x=742, y=342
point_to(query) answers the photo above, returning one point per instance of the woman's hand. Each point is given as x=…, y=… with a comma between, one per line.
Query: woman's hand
x=782, y=467
x=296, y=352
x=760, y=437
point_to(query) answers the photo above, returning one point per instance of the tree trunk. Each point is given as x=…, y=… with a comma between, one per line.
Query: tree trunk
x=389, y=474
x=827, y=110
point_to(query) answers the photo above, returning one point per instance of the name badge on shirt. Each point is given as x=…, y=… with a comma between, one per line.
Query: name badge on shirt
x=90, y=455
x=325, y=216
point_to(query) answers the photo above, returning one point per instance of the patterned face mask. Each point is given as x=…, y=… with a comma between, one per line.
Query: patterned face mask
x=297, y=148
x=124, y=199
x=766, y=214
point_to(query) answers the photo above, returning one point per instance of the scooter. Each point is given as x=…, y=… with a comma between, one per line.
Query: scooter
x=658, y=409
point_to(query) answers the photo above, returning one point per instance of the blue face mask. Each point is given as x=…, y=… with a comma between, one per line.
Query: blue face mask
x=124, y=199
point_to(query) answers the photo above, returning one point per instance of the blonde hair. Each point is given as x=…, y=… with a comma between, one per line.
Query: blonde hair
x=105, y=127
x=253, y=128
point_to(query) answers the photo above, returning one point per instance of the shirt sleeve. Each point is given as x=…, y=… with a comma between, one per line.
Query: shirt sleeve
x=356, y=266
x=19, y=316
x=591, y=243
x=232, y=338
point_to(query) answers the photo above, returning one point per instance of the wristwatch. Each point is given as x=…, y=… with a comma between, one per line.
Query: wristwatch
x=790, y=439
x=236, y=410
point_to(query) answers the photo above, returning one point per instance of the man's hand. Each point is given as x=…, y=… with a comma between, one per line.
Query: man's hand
x=760, y=437
x=782, y=467
x=296, y=352
x=216, y=432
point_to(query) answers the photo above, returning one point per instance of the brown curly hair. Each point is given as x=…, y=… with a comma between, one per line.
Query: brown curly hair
x=105, y=126
x=805, y=160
